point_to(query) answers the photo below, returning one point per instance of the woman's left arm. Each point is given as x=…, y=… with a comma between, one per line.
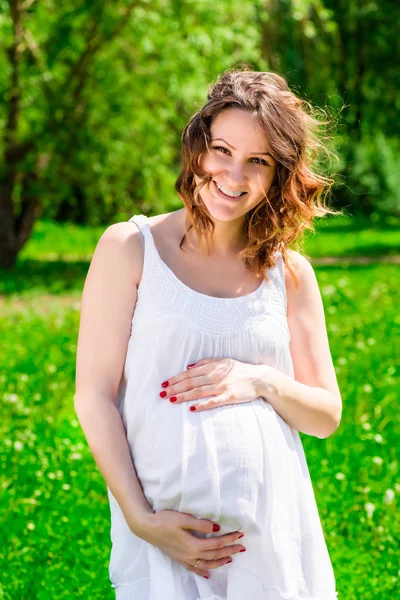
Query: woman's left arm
x=311, y=403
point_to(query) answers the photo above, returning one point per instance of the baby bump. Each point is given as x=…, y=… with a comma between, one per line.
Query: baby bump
x=209, y=464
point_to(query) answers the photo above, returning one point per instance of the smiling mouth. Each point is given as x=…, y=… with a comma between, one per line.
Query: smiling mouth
x=221, y=193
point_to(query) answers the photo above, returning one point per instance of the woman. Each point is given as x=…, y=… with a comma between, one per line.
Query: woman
x=203, y=352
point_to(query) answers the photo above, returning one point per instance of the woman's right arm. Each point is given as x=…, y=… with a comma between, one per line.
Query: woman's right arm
x=108, y=301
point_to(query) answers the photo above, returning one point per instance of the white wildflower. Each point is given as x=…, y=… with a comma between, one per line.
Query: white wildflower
x=76, y=456
x=388, y=496
x=328, y=290
x=11, y=397
x=369, y=507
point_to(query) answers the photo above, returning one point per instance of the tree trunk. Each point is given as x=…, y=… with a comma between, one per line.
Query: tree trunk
x=15, y=230
x=8, y=243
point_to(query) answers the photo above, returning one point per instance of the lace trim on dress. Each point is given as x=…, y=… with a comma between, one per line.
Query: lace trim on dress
x=210, y=314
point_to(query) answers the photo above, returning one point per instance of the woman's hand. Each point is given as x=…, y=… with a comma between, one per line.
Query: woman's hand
x=229, y=381
x=170, y=531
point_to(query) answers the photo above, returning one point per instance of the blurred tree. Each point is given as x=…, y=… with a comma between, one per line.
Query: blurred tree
x=96, y=96
x=345, y=51
x=49, y=61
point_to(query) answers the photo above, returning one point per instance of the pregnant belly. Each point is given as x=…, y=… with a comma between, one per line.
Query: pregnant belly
x=209, y=464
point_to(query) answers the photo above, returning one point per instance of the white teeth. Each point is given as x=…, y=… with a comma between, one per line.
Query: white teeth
x=228, y=192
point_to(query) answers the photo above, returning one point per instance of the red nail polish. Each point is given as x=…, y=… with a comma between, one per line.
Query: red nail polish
x=243, y=550
x=192, y=408
x=228, y=561
x=192, y=365
x=172, y=399
x=216, y=527
x=163, y=394
x=240, y=536
x=206, y=576
x=164, y=384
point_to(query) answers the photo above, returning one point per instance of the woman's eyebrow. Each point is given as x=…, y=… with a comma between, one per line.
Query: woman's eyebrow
x=233, y=148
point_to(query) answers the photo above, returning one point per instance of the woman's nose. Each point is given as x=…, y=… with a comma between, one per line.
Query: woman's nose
x=236, y=175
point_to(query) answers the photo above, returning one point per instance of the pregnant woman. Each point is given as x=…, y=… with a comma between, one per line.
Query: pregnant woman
x=203, y=352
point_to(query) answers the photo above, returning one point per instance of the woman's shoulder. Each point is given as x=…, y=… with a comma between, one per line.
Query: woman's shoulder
x=122, y=244
x=301, y=281
x=297, y=261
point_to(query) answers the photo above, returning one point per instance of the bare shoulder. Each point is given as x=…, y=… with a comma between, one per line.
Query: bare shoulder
x=123, y=242
x=307, y=281
x=125, y=234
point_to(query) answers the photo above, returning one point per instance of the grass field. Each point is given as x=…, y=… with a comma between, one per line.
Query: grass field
x=55, y=535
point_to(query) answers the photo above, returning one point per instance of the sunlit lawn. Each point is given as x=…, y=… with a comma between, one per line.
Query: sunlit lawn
x=55, y=536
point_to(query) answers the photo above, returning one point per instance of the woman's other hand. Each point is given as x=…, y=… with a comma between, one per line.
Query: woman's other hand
x=170, y=531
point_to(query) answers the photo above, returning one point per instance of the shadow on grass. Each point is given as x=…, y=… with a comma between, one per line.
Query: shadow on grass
x=59, y=277
x=374, y=252
x=40, y=276
x=353, y=224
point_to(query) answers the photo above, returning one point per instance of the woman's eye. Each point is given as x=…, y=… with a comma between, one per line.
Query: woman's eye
x=261, y=161
x=219, y=148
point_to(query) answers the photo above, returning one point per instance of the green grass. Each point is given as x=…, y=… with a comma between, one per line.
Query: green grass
x=349, y=237
x=56, y=544
x=342, y=236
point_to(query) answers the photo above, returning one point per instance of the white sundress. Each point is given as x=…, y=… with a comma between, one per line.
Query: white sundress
x=241, y=466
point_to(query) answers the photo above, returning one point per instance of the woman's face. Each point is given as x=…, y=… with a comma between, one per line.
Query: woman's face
x=238, y=161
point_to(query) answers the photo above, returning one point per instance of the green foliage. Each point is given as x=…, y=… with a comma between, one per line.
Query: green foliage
x=105, y=90
x=107, y=131
x=376, y=171
x=339, y=53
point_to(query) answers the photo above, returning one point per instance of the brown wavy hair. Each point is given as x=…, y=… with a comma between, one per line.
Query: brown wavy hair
x=297, y=192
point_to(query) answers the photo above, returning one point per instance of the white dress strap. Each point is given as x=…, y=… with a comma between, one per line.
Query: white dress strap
x=148, y=245
x=280, y=280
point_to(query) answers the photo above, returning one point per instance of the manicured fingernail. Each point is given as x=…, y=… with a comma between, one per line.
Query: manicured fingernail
x=192, y=408
x=172, y=399
x=240, y=536
x=228, y=561
x=243, y=550
x=190, y=366
x=164, y=384
x=216, y=527
x=163, y=394
x=206, y=576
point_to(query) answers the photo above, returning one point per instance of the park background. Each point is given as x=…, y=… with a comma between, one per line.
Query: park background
x=94, y=99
